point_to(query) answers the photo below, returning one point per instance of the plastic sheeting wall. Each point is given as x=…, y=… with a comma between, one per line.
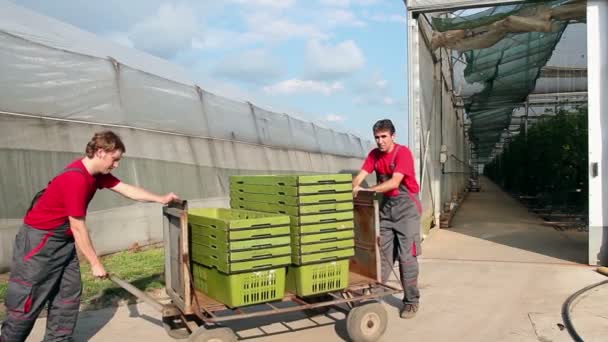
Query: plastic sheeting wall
x=58, y=86
x=33, y=150
x=41, y=80
x=436, y=120
x=430, y=131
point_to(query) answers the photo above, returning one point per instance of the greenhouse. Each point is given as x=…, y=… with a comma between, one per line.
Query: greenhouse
x=518, y=83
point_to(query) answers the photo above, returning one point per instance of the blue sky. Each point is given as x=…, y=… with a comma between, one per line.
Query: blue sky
x=340, y=63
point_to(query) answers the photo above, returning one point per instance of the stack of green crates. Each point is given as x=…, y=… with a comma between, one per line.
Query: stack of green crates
x=320, y=208
x=239, y=256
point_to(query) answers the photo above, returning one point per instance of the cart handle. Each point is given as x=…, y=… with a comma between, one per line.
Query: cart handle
x=179, y=204
x=137, y=293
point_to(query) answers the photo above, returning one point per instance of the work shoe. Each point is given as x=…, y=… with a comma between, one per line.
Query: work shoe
x=408, y=311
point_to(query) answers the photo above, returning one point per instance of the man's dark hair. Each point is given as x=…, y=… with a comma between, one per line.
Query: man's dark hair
x=105, y=140
x=384, y=125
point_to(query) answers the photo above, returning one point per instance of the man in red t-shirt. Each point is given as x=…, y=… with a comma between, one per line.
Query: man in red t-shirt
x=399, y=212
x=45, y=267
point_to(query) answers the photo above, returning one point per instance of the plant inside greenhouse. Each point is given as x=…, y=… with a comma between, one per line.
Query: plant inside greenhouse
x=549, y=162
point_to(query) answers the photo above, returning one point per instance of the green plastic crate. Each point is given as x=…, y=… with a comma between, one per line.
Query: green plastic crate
x=322, y=227
x=292, y=210
x=308, y=280
x=238, y=234
x=227, y=267
x=292, y=200
x=227, y=245
x=247, y=255
x=322, y=246
x=292, y=180
x=291, y=190
x=241, y=289
x=299, y=239
x=229, y=219
x=322, y=218
x=339, y=254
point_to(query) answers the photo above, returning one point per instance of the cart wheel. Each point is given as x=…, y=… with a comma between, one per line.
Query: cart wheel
x=175, y=328
x=213, y=335
x=366, y=323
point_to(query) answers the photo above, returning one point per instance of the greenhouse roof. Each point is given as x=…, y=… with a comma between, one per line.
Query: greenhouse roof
x=506, y=49
x=429, y=5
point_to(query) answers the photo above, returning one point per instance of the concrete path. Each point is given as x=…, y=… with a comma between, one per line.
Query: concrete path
x=497, y=275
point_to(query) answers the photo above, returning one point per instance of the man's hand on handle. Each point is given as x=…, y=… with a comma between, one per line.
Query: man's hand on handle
x=168, y=198
x=356, y=190
x=357, y=182
x=99, y=271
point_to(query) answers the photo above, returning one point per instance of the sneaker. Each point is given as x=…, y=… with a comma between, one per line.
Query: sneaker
x=408, y=311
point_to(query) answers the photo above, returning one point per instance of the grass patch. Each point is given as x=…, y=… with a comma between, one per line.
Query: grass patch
x=143, y=269
x=3, y=286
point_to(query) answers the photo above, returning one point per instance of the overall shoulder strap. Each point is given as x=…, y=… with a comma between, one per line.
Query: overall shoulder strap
x=394, y=157
x=39, y=193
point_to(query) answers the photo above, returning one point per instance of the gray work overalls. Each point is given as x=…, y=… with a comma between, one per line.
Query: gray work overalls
x=400, y=236
x=45, y=269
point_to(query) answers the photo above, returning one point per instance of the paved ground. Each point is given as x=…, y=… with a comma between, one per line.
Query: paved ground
x=497, y=275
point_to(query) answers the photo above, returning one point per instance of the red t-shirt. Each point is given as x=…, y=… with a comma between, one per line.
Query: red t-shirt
x=380, y=162
x=68, y=194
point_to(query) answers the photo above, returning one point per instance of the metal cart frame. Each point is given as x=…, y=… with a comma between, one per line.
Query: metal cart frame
x=191, y=314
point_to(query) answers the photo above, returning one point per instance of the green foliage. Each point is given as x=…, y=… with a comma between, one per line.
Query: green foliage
x=551, y=162
x=142, y=269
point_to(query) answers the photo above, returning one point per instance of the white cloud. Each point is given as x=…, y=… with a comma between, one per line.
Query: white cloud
x=381, y=84
x=175, y=29
x=172, y=29
x=296, y=86
x=375, y=100
x=373, y=90
x=266, y=28
x=334, y=118
x=387, y=18
x=96, y=16
x=342, y=17
x=226, y=89
x=346, y=3
x=220, y=39
x=266, y=3
x=120, y=38
x=331, y=62
x=261, y=28
x=388, y=100
x=368, y=2
x=336, y=3
x=374, y=84
x=253, y=66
